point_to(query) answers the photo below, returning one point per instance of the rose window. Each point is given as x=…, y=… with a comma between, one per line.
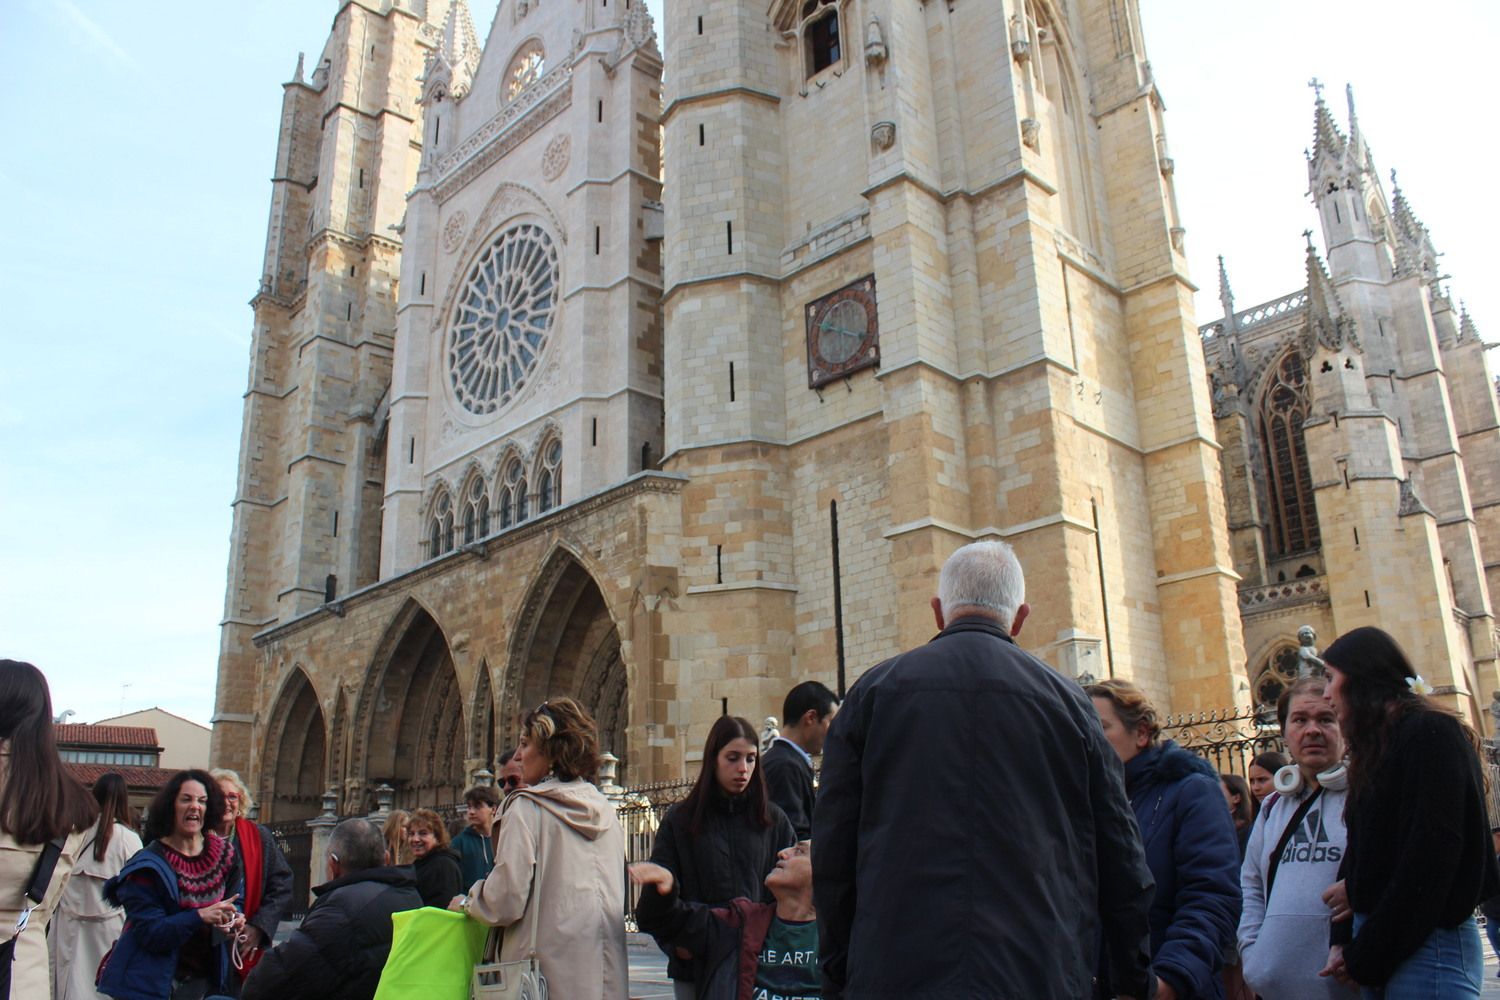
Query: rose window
x=503, y=318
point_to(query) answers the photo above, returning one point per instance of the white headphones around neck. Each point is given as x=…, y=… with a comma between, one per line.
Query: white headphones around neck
x=1288, y=780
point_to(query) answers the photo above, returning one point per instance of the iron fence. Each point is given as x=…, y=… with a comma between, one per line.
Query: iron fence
x=1490, y=755
x=1229, y=739
x=295, y=840
x=641, y=810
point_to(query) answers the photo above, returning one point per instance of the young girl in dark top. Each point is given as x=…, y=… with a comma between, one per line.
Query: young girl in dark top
x=1419, y=857
x=722, y=840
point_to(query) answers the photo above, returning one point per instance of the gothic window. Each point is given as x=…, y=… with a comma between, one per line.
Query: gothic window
x=1293, y=521
x=503, y=318
x=1055, y=108
x=821, y=42
x=440, y=526
x=1276, y=675
x=525, y=68
x=513, y=503
x=476, y=510
x=549, y=478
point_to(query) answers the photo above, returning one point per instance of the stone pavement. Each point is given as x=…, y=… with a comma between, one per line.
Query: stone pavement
x=1491, y=972
x=648, y=969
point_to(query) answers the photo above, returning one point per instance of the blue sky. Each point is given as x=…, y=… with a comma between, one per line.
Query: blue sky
x=136, y=166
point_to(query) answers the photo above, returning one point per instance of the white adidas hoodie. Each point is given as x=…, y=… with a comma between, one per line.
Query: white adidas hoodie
x=1284, y=941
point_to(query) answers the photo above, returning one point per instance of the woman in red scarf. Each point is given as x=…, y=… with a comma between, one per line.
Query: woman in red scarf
x=268, y=878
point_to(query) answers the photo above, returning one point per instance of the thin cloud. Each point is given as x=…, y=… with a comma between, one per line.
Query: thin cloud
x=94, y=32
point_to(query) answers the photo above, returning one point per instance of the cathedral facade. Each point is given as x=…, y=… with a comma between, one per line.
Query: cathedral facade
x=1361, y=436
x=666, y=375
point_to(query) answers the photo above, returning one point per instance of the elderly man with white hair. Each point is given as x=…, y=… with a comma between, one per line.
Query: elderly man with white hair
x=974, y=839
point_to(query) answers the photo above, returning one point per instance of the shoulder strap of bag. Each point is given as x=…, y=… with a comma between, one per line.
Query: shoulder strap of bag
x=41, y=875
x=1286, y=836
x=497, y=939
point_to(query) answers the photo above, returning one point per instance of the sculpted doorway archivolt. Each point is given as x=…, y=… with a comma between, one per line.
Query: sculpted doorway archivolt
x=293, y=783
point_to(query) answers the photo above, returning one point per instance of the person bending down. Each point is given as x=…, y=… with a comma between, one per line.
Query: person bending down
x=746, y=950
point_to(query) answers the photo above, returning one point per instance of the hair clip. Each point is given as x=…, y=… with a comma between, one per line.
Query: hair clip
x=1419, y=685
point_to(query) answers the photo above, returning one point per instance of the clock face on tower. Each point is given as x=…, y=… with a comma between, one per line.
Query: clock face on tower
x=843, y=335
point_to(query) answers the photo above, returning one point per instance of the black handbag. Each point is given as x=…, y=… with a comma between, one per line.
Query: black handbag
x=36, y=891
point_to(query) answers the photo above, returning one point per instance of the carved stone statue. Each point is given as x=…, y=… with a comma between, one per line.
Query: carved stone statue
x=769, y=730
x=1309, y=663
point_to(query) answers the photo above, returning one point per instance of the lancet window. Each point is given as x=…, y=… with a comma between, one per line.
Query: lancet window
x=1055, y=110
x=1285, y=404
x=513, y=499
x=440, y=526
x=476, y=513
x=549, y=477
x=822, y=41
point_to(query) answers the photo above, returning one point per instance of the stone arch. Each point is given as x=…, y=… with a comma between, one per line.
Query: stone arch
x=292, y=783
x=1272, y=669
x=565, y=642
x=483, y=730
x=410, y=732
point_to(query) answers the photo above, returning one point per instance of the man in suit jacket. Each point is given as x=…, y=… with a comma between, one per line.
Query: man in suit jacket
x=787, y=763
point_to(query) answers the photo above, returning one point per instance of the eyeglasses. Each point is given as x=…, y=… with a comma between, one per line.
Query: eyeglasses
x=510, y=783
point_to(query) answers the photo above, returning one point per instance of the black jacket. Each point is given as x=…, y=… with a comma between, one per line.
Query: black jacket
x=972, y=838
x=338, y=951
x=789, y=783
x=439, y=877
x=276, y=886
x=729, y=858
x=1420, y=854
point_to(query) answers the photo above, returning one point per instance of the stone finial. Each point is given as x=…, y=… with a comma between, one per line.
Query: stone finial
x=297, y=73
x=875, y=48
x=1466, y=328
x=1226, y=295
x=1326, y=135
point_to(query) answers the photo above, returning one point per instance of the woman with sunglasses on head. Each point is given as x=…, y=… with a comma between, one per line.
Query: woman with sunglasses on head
x=39, y=803
x=557, y=877
x=1419, y=857
x=85, y=925
x=181, y=896
x=722, y=841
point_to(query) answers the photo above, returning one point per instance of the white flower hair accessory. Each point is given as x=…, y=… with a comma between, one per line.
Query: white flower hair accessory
x=1419, y=685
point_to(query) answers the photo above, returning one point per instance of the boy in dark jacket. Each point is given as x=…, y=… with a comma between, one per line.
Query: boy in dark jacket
x=338, y=951
x=745, y=949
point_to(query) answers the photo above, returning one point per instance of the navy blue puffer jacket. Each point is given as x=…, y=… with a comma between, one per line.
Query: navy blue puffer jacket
x=1195, y=859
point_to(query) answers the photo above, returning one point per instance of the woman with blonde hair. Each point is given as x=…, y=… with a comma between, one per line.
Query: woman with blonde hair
x=268, y=877
x=557, y=877
x=394, y=832
x=85, y=926
x=1189, y=839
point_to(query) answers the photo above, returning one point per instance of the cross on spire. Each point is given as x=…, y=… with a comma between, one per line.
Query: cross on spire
x=1317, y=86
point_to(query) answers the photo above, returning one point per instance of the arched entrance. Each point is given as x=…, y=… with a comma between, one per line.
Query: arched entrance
x=566, y=643
x=292, y=786
x=412, y=716
x=483, y=748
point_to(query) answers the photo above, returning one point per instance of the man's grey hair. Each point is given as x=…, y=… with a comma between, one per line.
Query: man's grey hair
x=357, y=844
x=983, y=575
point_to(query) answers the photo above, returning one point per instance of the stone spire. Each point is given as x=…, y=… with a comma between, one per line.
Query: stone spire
x=1466, y=328
x=1226, y=295
x=1415, y=253
x=1326, y=135
x=297, y=74
x=1327, y=323
x=460, y=46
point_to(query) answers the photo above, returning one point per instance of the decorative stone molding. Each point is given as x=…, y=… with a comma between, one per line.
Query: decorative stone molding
x=883, y=135
x=555, y=158
x=520, y=119
x=454, y=230
x=876, y=52
x=1290, y=594
x=1031, y=133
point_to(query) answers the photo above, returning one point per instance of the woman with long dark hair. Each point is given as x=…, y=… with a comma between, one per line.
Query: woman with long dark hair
x=721, y=842
x=181, y=898
x=1419, y=858
x=86, y=925
x=39, y=803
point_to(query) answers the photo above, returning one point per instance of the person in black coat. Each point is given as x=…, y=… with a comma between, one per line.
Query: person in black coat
x=1419, y=857
x=787, y=763
x=972, y=838
x=1190, y=845
x=438, y=868
x=721, y=842
x=342, y=944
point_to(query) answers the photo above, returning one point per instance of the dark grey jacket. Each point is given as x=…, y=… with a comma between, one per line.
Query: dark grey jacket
x=972, y=838
x=789, y=783
x=338, y=951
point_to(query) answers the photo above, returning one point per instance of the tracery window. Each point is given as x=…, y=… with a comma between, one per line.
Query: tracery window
x=476, y=511
x=821, y=42
x=503, y=318
x=525, y=69
x=1276, y=675
x=1052, y=102
x=1293, y=520
x=549, y=477
x=440, y=526
x=513, y=501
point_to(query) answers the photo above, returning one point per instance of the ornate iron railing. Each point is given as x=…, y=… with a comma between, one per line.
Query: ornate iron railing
x=641, y=810
x=295, y=840
x=1228, y=739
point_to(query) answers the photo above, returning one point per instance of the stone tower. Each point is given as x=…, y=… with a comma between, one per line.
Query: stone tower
x=899, y=279
x=1361, y=439
x=307, y=504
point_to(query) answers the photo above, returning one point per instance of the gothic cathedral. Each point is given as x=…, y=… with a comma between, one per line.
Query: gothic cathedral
x=666, y=390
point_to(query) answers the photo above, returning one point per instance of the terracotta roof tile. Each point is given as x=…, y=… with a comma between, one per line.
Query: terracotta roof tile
x=80, y=734
x=135, y=777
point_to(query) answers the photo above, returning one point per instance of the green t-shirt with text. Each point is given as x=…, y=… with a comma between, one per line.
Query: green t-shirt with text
x=788, y=966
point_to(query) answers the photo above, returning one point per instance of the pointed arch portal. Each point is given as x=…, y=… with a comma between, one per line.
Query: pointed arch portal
x=298, y=742
x=413, y=716
x=566, y=643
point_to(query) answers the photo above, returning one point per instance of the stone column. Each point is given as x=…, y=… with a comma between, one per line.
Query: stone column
x=322, y=831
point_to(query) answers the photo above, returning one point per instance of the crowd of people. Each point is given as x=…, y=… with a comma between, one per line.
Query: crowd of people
x=982, y=827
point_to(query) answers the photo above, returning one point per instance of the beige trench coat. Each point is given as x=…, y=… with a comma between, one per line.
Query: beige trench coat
x=31, y=976
x=84, y=926
x=567, y=834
